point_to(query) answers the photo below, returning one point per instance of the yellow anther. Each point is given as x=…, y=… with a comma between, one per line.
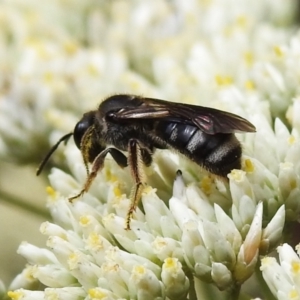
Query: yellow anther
x=249, y=167
x=170, y=262
x=248, y=57
x=249, y=85
x=84, y=220
x=97, y=294
x=51, y=192
x=291, y=140
x=223, y=80
x=278, y=51
x=206, y=184
x=70, y=47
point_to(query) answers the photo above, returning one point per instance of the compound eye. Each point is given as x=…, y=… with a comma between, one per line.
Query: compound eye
x=82, y=126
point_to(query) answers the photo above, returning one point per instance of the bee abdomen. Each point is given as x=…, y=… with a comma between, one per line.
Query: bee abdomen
x=176, y=134
x=225, y=157
x=218, y=153
x=187, y=139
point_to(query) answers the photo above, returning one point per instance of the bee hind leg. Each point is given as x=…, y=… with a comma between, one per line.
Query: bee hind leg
x=137, y=157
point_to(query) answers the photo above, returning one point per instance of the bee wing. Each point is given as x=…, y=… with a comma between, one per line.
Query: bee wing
x=208, y=120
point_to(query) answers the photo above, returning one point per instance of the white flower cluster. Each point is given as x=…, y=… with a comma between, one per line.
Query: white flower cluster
x=190, y=229
x=92, y=256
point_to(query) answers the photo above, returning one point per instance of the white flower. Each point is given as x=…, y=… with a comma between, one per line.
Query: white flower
x=283, y=278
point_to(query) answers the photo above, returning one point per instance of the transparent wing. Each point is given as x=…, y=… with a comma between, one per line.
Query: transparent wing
x=208, y=120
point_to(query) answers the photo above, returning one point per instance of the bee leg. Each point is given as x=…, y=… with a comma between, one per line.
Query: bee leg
x=146, y=156
x=118, y=157
x=137, y=156
x=98, y=163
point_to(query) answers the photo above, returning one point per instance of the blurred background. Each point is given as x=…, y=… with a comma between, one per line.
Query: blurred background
x=22, y=211
x=60, y=58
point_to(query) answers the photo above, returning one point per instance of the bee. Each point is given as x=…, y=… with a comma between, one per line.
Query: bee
x=137, y=126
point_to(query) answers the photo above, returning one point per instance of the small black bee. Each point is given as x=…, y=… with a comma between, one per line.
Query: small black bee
x=139, y=125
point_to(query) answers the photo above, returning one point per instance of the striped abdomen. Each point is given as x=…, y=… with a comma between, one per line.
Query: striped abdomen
x=218, y=153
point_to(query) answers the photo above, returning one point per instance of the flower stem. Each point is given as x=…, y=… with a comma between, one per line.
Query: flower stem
x=192, y=293
x=25, y=205
x=235, y=292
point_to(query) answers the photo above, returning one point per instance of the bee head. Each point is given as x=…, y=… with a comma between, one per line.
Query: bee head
x=80, y=129
x=82, y=126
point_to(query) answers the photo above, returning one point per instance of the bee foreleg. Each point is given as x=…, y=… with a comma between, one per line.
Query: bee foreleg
x=97, y=166
x=135, y=162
